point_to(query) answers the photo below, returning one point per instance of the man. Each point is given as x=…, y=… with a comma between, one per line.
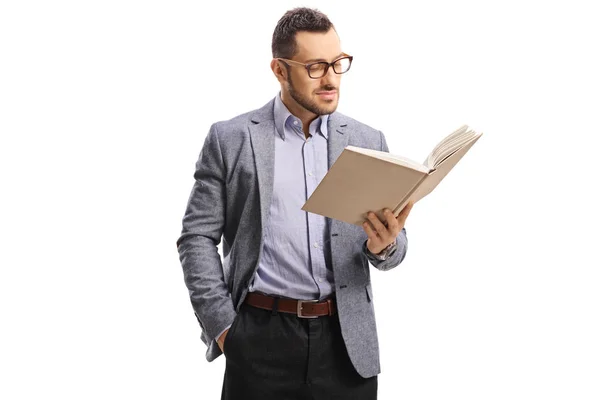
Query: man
x=291, y=308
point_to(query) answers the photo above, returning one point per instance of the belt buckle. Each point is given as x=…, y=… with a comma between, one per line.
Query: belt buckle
x=299, y=308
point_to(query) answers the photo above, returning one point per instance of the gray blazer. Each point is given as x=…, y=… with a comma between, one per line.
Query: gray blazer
x=230, y=200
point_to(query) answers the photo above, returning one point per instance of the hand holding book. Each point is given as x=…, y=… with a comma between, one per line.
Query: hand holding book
x=383, y=233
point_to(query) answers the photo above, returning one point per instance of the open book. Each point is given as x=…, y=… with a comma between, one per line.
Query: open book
x=363, y=180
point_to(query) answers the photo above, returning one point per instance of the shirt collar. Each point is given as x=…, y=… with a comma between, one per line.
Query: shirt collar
x=282, y=115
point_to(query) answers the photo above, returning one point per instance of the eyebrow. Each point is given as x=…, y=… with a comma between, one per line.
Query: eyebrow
x=322, y=59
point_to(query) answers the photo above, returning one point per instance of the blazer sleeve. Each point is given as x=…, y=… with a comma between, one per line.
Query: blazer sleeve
x=203, y=225
x=397, y=256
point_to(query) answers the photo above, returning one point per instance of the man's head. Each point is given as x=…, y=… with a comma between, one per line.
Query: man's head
x=306, y=36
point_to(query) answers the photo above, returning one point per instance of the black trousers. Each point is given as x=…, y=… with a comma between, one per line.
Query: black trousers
x=278, y=356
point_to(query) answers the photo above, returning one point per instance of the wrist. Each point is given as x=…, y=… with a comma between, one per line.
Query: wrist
x=383, y=254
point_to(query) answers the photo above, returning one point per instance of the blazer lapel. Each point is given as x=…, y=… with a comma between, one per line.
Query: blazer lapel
x=338, y=140
x=338, y=137
x=262, y=138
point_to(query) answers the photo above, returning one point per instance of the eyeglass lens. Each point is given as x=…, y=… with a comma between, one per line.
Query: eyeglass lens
x=317, y=70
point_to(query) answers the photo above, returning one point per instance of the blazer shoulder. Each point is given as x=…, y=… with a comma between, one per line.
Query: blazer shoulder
x=235, y=124
x=365, y=132
x=239, y=124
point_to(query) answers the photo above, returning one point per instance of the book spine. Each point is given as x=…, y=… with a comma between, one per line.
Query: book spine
x=406, y=198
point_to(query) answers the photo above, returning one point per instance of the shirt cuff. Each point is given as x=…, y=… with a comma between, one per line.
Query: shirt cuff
x=223, y=331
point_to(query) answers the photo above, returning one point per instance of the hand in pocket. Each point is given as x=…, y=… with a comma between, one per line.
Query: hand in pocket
x=221, y=340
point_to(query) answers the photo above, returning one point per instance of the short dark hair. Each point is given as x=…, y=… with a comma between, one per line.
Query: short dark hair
x=292, y=22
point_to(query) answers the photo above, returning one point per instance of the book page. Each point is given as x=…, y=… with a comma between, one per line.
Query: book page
x=450, y=148
x=396, y=159
x=450, y=145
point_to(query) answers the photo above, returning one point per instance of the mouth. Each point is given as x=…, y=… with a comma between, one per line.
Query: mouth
x=327, y=94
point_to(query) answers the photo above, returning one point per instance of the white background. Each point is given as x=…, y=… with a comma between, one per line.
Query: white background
x=104, y=107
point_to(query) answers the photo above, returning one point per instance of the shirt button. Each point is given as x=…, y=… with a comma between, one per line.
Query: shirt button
x=310, y=174
x=316, y=245
x=320, y=280
x=295, y=122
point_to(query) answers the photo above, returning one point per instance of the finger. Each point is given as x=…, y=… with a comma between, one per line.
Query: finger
x=371, y=234
x=381, y=230
x=392, y=222
x=404, y=214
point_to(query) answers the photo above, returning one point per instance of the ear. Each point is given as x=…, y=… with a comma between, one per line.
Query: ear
x=278, y=70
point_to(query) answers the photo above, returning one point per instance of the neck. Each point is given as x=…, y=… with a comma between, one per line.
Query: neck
x=298, y=111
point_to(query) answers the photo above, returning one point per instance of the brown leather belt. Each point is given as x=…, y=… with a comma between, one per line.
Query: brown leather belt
x=302, y=308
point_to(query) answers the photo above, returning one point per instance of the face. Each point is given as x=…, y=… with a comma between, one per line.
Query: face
x=318, y=96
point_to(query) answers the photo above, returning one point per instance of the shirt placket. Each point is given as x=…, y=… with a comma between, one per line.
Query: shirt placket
x=315, y=224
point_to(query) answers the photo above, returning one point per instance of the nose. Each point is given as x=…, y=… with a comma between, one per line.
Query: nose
x=330, y=78
x=331, y=72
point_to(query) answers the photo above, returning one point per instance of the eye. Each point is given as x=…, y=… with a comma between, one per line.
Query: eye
x=317, y=67
x=342, y=64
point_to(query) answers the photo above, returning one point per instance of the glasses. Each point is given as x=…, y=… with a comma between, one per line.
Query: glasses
x=319, y=69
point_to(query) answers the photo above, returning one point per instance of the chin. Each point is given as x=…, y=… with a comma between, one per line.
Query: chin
x=330, y=107
x=327, y=104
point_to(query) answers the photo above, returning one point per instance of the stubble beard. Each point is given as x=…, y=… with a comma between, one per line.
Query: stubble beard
x=308, y=103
